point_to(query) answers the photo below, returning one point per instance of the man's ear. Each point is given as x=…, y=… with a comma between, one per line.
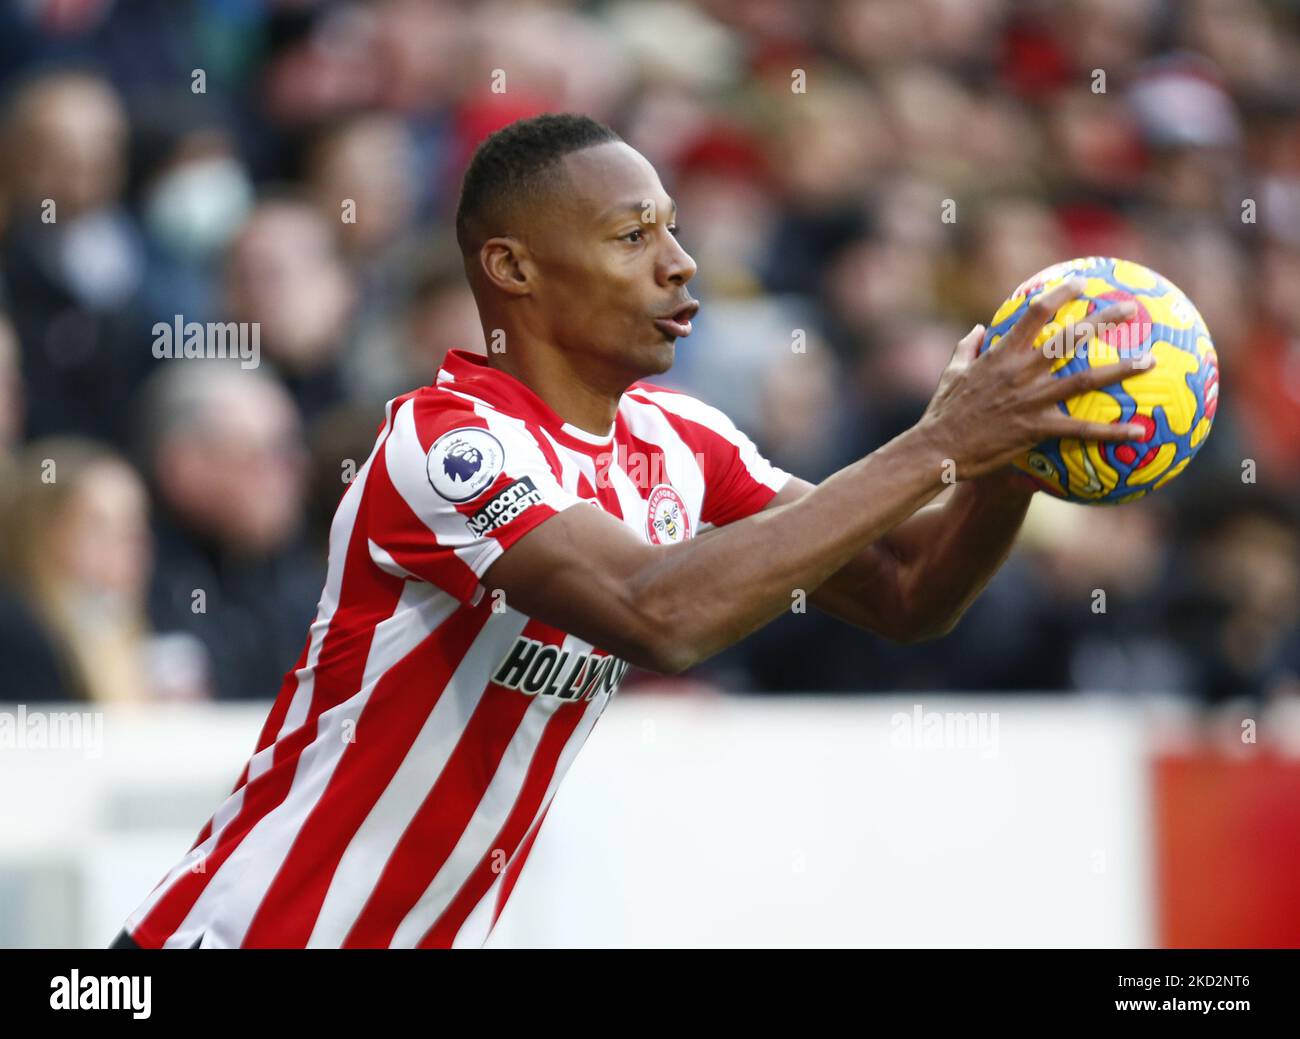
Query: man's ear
x=508, y=265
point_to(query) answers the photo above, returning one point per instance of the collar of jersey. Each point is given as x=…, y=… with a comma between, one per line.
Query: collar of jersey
x=469, y=373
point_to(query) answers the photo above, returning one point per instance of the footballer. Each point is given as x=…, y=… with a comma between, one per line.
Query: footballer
x=499, y=561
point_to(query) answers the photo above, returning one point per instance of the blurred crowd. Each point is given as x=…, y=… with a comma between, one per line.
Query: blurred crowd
x=877, y=174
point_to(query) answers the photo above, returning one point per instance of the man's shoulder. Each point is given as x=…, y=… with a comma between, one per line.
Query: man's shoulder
x=683, y=408
x=441, y=397
x=440, y=408
x=459, y=442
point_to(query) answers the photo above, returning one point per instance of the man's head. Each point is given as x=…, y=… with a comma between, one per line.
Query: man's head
x=71, y=132
x=569, y=239
x=284, y=271
x=224, y=446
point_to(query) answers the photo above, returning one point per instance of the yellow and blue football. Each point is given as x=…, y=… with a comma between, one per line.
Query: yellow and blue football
x=1174, y=400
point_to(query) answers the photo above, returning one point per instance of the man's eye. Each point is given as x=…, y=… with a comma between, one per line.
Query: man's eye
x=638, y=233
x=672, y=230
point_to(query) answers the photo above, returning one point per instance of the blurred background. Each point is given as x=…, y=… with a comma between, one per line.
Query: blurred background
x=296, y=164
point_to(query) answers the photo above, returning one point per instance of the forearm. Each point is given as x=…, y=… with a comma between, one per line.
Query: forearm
x=947, y=553
x=753, y=569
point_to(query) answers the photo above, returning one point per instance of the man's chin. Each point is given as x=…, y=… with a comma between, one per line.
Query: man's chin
x=665, y=353
x=639, y=360
x=652, y=358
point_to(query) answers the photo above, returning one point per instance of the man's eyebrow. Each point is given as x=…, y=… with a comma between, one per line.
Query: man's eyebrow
x=637, y=206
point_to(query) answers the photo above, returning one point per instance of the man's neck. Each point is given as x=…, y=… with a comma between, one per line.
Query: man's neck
x=581, y=397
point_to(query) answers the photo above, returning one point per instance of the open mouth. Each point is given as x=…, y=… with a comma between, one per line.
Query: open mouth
x=678, y=323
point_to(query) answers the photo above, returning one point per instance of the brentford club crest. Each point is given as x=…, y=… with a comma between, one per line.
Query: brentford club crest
x=666, y=519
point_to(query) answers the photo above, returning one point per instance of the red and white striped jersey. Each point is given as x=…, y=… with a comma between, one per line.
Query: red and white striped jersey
x=405, y=767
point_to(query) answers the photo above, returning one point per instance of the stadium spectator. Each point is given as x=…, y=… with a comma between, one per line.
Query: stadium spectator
x=226, y=457
x=77, y=552
x=285, y=275
x=72, y=257
x=361, y=177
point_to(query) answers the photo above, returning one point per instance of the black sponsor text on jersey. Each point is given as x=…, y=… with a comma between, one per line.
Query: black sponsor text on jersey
x=540, y=669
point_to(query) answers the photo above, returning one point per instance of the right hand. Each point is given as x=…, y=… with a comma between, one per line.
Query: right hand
x=990, y=408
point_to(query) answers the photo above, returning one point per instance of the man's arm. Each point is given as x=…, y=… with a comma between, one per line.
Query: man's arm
x=917, y=581
x=669, y=607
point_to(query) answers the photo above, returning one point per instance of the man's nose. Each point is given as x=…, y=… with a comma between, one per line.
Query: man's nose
x=677, y=266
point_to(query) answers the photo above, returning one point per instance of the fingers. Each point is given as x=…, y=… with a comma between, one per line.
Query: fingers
x=1083, y=335
x=1040, y=311
x=1095, y=378
x=1114, y=314
x=1077, y=339
x=1079, y=429
x=1113, y=319
x=969, y=345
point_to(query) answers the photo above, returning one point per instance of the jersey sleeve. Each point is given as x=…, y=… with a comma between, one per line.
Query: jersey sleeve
x=738, y=480
x=454, y=489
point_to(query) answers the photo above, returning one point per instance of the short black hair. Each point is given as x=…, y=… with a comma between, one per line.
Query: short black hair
x=510, y=162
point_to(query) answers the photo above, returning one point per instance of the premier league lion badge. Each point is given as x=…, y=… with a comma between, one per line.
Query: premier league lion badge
x=464, y=463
